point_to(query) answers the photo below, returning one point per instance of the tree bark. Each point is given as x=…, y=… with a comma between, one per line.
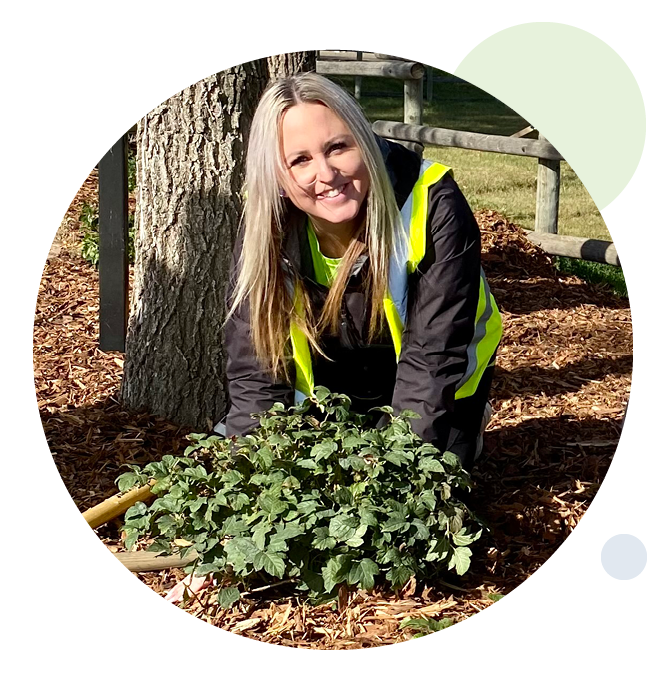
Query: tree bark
x=190, y=169
x=288, y=63
x=190, y=162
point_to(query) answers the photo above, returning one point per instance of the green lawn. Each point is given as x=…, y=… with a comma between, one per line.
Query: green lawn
x=504, y=183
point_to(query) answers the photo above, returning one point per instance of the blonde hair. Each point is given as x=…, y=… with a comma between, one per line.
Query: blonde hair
x=261, y=278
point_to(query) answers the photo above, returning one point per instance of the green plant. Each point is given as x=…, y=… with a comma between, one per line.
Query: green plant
x=314, y=495
x=425, y=626
x=131, y=172
x=595, y=273
x=89, y=224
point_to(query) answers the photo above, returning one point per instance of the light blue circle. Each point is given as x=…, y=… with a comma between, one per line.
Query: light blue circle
x=623, y=557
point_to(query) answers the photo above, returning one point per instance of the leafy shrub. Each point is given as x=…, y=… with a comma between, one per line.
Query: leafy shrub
x=424, y=626
x=315, y=495
x=89, y=224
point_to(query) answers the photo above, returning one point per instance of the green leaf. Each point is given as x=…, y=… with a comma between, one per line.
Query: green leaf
x=399, y=576
x=451, y=460
x=270, y=504
x=496, y=596
x=430, y=464
x=323, y=450
x=232, y=477
x=227, y=597
x=352, y=441
x=321, y=393
x=322, y=539
x=197, y=504
x=363, y=572
x=271, y=562
x=131, y=539
x=334, y=572
x=343, y=527
x=395, y=522
x=462, y=540
x=461, y=560
x=407, y=413
x=127, y=481
x=265, y=457
x=260, y=532
x=244, y=547
x=424, y=625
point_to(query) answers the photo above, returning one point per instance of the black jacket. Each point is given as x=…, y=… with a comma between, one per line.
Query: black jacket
x=442, y=304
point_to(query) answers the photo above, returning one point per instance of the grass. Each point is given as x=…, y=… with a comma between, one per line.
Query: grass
x=504, y=183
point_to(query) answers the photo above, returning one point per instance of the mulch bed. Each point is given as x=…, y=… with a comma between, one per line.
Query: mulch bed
x=559, y=396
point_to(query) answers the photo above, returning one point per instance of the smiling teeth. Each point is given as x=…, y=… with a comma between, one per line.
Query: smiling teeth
x=333, y=193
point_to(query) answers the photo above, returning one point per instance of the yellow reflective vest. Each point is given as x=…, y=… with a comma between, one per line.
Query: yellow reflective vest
x=410, y=251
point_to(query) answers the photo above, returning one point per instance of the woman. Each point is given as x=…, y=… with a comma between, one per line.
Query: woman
x=358, y=269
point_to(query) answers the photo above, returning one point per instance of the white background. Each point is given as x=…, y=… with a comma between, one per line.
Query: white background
x=75, y=623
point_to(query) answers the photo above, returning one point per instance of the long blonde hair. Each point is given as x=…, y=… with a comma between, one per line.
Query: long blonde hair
x=261, y=278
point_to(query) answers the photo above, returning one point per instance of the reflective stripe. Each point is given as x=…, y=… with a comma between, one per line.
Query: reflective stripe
x=486, y=338
x=414, y=214
x=430, y=173
x=301, y=355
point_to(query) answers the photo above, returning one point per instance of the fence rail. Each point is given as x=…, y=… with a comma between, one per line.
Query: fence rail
x=573, y=247
x=402, y=70
x=437, y=136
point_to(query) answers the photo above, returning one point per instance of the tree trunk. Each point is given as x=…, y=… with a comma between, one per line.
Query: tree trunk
x=288, y=63
x=190, y=170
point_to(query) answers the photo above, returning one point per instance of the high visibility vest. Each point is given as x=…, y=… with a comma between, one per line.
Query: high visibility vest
x=408, y=254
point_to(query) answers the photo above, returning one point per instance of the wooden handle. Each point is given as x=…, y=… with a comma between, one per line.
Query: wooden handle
x=152, y=561
x=116, y=505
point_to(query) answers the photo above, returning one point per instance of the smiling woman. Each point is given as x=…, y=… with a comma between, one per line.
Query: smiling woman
x=358, y=268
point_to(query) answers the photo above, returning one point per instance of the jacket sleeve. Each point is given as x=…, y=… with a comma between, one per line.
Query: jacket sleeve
x=251, y=388
x=442, y=304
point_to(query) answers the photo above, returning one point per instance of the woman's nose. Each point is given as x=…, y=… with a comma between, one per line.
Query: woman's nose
x=324, y=170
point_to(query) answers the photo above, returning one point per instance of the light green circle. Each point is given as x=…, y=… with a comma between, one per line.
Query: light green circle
x=576, y=90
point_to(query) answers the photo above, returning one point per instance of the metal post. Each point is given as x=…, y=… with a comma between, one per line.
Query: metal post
x=113, y=247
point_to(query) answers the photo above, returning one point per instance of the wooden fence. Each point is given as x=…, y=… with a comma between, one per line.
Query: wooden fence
x=113, y=191
x=414, y=135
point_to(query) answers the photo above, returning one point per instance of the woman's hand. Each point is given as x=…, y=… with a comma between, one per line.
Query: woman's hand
x=192, y=584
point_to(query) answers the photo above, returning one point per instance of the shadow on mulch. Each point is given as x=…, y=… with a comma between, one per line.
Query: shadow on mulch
x=531, y=490
x=573, y=376
x=92, y=443
x=539, y=294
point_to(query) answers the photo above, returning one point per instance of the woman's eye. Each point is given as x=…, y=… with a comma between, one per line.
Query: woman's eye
x=337, y=146
x=298, y=161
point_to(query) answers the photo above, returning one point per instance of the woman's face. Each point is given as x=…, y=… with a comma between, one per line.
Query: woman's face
x=328, y=178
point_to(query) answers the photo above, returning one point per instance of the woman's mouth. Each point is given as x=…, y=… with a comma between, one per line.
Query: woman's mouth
x=331, y=194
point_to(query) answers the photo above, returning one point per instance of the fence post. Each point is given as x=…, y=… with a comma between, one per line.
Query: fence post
x=547, y=194
x=358, y=79
x=429, y=83
x=113, y=247
x=412, y=101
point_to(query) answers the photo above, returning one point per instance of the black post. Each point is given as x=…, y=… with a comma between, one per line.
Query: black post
x=113, y=247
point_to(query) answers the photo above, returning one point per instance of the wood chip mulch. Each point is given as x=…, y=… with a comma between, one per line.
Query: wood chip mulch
x=559, y=396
